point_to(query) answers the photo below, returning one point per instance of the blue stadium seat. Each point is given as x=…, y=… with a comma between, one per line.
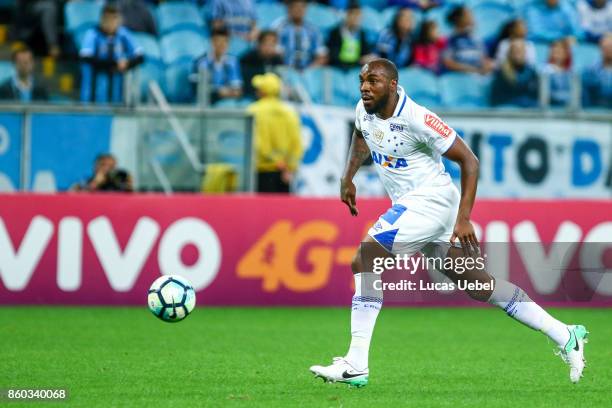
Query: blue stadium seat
x=182, y=45
x=238, y=46
x=172, y=16
x=421, y=85
x=372, y=23
x=323, y=17
x=6, y=70
x=82, y=14
x=339, y=88
x=464, y=91
x=149, y=44
x=387, y=16
x=178, y=87
x=150, y=71
x=375, y=4
x=542, y=51
x=585, y=56
x=268, y=13
x=315, y=81
x=352, y=86
x=490, y=17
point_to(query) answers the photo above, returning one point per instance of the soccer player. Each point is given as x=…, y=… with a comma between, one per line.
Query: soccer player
x=428, y=213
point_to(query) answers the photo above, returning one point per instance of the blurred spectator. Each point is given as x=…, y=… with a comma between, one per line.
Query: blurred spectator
x=347, y=42
x=33, y=17
x=223, y=69
x=260, y=60
x=422, y=5
x=137, y=16
x=278, y=142
x=465, y=52
x=515, y=82
x=597, y=81
x=595, y=18
x=550, y=20
x=237, y=15
x=23, y=87
x=559, y=73
x=107, y=177
x=429, y=47
x=514, y=30
x=301, y=43
x=107, y=53
x=395, y=42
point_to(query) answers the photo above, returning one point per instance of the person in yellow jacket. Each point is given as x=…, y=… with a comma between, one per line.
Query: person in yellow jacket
x=278, y=142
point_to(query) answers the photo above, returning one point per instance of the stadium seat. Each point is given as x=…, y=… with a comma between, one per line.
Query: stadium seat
x=172, y=16
x=585, y=56
x=82, y=14
x=182, y=45
x=421, y=85
x=323, y=17
x=542, y=51
x=238, y=46
x=374, y=4
x=178, y=87
x=387, y=16
x=490, y=18
x=268, y=13
x=352, y=86
x=339, y=89
x=149, y=45
x=372, y=23
x=150, y=71
x=315, y=81
x=464, y=91
x=6, y=70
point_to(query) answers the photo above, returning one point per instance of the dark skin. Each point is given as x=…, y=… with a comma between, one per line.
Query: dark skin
x=379, y=95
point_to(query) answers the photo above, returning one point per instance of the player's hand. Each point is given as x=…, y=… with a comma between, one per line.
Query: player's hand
x=464, y=232
x=348, y=191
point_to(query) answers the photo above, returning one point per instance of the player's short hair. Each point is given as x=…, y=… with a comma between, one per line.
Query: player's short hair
x=388, y=67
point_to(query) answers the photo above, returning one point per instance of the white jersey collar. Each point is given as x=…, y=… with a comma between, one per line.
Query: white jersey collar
x=401, y=102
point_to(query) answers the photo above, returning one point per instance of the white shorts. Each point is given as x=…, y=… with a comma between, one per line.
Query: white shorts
x=421, y=217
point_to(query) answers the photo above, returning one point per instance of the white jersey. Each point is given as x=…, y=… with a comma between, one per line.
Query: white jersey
x=407, y=148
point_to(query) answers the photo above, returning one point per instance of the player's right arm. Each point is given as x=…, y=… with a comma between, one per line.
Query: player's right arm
x=358, y=152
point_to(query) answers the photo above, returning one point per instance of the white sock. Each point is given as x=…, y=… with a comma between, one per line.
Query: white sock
x=519, y=306
x=367, y=302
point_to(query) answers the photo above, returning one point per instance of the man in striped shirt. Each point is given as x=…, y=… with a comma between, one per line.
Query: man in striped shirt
x=301, y=43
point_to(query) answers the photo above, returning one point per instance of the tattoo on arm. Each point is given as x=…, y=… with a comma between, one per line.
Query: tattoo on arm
x=358, y=152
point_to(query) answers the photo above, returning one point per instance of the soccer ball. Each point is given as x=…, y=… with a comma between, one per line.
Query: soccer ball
x=171, y=298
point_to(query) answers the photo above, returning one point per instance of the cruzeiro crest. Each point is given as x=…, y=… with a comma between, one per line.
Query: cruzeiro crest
x=378, y=135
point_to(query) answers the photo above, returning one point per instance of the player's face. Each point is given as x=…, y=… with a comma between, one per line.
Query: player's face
x=375, y=88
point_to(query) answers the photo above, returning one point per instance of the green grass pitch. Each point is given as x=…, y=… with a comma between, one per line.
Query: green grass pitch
x=218, y=357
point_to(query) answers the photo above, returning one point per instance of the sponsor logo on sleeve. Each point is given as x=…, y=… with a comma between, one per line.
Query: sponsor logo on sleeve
x=437, y=125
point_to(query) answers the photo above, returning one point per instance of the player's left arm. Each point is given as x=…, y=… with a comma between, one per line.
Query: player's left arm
x=461, y=154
